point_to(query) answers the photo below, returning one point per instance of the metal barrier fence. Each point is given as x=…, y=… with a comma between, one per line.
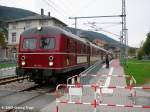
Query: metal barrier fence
x=77, y=78
x=87, y=95
x=81, y=78
x=91, y=67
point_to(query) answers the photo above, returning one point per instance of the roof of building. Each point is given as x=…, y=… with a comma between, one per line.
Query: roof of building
x=37, y=17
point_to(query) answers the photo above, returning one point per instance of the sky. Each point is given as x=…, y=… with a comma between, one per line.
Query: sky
x=137, y=11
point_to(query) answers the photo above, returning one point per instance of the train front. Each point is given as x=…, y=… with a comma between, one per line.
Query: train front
x=37, y=57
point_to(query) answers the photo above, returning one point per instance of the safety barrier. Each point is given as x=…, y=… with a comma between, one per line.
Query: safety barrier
x=80, y=79
x=74, y=79
x=78, y=90
x=76, y=93
x=130, y=77
x=91, y=68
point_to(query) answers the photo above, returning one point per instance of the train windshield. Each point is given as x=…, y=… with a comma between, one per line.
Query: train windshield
x=47, y=43
x=29, y=43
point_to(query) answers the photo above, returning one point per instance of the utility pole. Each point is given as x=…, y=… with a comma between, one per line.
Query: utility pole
x=124, y=35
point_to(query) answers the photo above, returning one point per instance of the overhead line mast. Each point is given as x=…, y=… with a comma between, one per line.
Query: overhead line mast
x=124, y=40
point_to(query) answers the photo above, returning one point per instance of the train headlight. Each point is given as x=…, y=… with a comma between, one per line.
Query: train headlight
x=50, y=58
x=23, y=63
x=51, y=63
x=23, y=58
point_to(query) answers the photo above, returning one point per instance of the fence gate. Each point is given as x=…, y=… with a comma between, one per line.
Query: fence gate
x=86, y=98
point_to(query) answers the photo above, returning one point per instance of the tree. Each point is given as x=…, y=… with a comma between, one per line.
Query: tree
x=146, y=45
x=2, y=39
x=132, y=51
x=140, y=53
x=3, y=33
x=141, y=43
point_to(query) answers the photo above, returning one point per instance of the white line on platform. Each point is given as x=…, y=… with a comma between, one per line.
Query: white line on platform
x=109, y=78
x=107, y=82
x=104, y=66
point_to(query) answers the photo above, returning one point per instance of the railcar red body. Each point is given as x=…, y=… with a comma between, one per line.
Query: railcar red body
x=47, y=52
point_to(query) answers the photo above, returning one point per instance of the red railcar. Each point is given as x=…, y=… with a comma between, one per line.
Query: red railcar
x=46, y=53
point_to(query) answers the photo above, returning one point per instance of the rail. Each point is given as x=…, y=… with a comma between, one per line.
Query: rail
x=11, y=79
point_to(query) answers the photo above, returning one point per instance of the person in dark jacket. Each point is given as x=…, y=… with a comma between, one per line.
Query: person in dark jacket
x=107, y=61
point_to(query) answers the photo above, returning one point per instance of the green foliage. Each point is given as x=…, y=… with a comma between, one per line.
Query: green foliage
x=2, y=39
x=146, y=45
x=145, y=48
x=140, y=53
x=132, y=51
x=3, y=28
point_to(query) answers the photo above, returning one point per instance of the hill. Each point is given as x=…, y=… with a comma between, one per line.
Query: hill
x=91, y=35
x=9, y=13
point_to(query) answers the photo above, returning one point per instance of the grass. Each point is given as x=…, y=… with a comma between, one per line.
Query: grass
x=5, y=65
x=139, y=69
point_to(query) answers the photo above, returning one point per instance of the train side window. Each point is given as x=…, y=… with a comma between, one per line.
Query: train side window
x=78, y=47
x=67, y=44
x=87, y=48
x=81, y=48
x=84, y=49
x=72, y=46
x=75, y=47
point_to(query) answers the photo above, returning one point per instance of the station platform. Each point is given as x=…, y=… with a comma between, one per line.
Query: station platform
x=109, y=99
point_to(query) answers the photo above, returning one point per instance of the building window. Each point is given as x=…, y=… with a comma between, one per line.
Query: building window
x=13, y=37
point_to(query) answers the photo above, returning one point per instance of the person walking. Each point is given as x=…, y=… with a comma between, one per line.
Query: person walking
x=107, y=61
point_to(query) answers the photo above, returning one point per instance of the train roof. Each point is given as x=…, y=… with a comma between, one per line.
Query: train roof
x=100, y=48
x=52, y=31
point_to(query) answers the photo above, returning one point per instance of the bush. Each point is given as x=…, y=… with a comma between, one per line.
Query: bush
x=140, y=54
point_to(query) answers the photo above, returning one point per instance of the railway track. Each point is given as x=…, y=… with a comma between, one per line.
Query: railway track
x=13, y=108
x=11, y=79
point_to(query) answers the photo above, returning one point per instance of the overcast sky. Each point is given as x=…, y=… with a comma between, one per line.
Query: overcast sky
x=138, y=16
